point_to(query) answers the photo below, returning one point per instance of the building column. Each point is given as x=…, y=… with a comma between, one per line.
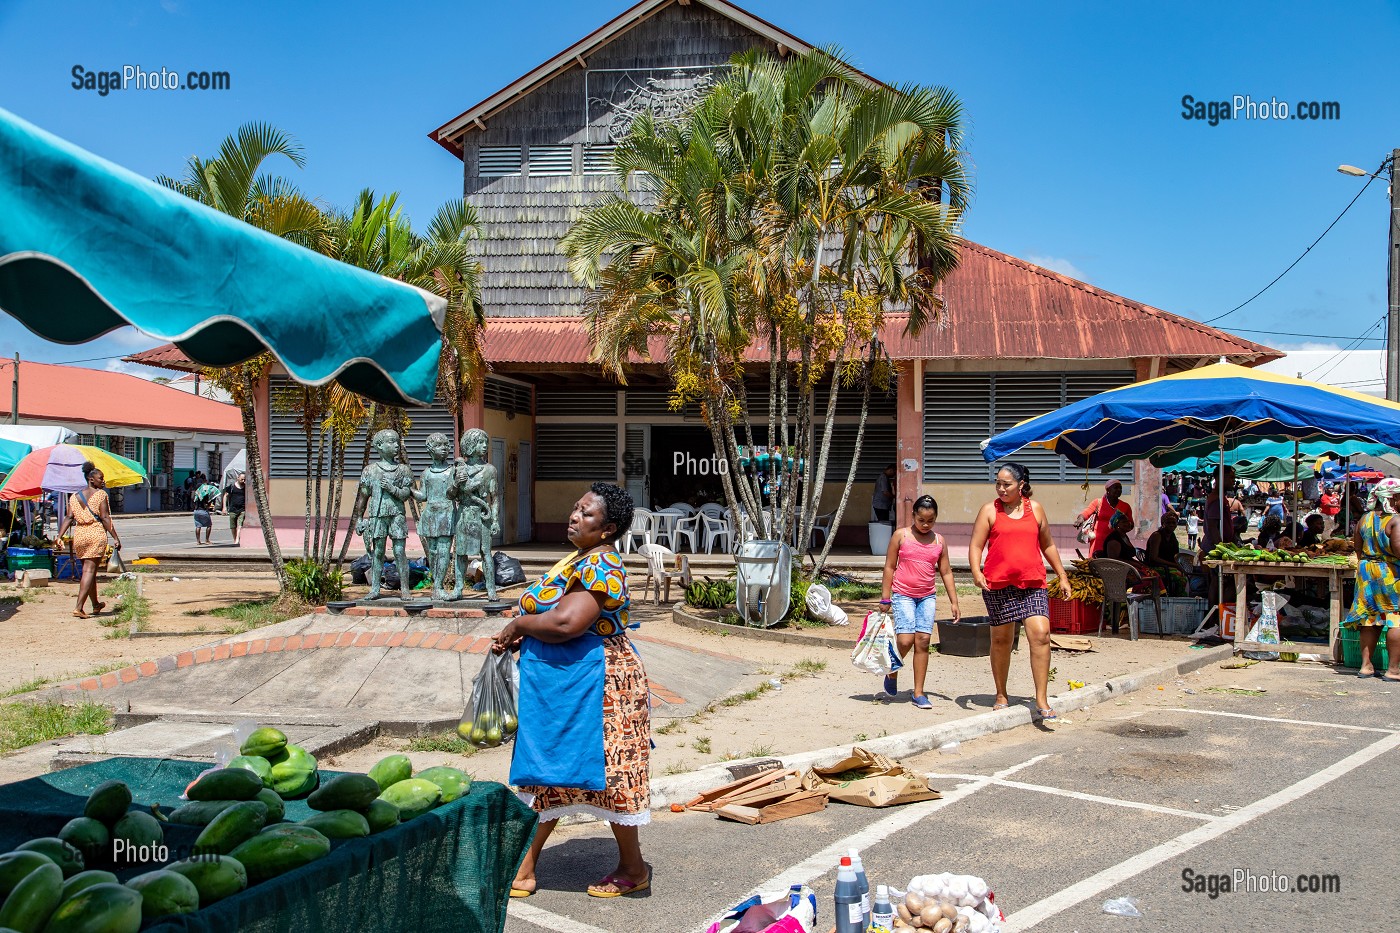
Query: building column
x=909, y=429
x=1147, y=479
x=474, y=413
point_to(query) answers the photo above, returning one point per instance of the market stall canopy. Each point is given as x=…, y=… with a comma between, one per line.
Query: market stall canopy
x=87, y=246
x=1204, y=456
x=37, y=435
x=239, y=464
x=1216, y=402
x=1276, y=470
x=11, y=453
x=60, y=469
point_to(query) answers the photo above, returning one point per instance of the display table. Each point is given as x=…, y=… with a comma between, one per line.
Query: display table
x=1334, y=574
x=448, y=871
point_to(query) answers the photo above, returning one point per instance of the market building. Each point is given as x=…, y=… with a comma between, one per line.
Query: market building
x=1018, y=339
x=170, y=433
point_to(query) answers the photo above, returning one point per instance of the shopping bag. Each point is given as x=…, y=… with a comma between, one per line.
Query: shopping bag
x=793, y=912
x=114, y=561
x=490, y=717
x=875, y=651
x=1265, y=629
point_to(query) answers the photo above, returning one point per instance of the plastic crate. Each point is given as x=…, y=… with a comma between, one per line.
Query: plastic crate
x=23, y=558
x=1183, y=615
x=1351, y=651
x=1074, y=616
x=970, y=637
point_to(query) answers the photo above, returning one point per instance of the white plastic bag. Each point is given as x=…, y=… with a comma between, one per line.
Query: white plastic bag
x=821, y=608
x=1265, y=629
x=875, y=651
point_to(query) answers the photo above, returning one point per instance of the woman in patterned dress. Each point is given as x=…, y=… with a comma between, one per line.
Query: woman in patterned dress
x=1376, y=608
x=584, y=740
x=91, y=522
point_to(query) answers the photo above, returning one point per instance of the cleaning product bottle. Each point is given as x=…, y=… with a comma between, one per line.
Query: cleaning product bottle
x=849, y=918
x=864, y=883
x=881, y=911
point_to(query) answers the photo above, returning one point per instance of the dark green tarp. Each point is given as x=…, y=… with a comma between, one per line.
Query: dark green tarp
x=448, y=871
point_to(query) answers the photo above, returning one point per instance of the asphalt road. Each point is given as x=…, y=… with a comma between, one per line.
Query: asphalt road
x=1138, y=797
x=141, y=533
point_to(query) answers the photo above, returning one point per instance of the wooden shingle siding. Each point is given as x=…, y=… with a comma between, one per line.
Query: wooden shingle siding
x=525, y=216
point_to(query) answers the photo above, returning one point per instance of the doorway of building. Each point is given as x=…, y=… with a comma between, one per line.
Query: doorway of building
x=525, y=505
x=498, y=460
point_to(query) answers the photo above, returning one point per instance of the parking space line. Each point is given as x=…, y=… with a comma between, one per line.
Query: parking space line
x=1112, y=801
x=1096, y=884
x=821, y=862
x=1282, y=721
x=549, y=920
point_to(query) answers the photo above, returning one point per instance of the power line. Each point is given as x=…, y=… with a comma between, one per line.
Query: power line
x=1286, y=333
x=1338, y=356
x=1299, y=259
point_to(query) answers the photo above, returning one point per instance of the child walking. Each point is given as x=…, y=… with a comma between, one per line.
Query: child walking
x=1193, y=528
x=913, y=564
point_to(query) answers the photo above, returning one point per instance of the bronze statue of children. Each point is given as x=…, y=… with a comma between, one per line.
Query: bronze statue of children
x=384, y=488
x=438, y=491
x=477, y=519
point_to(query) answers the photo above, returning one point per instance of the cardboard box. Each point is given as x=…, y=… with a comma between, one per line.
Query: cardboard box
x=869, y=780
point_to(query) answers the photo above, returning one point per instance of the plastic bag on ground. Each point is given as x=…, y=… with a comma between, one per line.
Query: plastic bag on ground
x=1123, y=907
x=821, y=608
x=508, y=570
x=1265, y=629
x=490, y=717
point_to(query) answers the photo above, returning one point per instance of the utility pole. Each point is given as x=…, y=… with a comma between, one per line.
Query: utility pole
x=1392, y=332
x=14, y=394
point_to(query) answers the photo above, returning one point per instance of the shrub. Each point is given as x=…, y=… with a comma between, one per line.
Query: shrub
x=313, y=582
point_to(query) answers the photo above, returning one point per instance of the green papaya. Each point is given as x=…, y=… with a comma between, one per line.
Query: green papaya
x=165, y=892
x=108, y=802
x=390, y=770
x=344, y=792
x=338, y=824
x=215, y=876
x=200, y=812
x=16, y=866
x=279, y=849
x=65, y=856
x=413, y=797
x=295, y=775
x=264, y=743
x=452, y=782
x=86, y=879
x=275, y=807
x=254, y=763
x=102, y=908
x=33, y=900
x=88, y=836
x=232, y=828
x=381, y=815
x=138, y=839
x=226, y=784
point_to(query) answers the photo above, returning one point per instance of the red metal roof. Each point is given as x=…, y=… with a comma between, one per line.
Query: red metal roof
x=48, y=392
x=165, y=356
x=997, y=306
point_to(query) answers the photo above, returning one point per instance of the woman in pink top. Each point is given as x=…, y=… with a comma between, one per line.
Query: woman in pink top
x=1016, y=536
x=914, y=562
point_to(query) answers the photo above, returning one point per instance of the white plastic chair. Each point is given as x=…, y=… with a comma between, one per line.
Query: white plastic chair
x=688, y=528
x=714, y=527
x=663, y=566
x=685, y=507
x=641, y=528
x=821, y=525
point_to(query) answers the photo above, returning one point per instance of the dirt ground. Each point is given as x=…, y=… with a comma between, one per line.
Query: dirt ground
x=41, y=638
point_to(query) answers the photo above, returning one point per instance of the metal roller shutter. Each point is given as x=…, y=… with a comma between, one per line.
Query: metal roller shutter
x=576, y=451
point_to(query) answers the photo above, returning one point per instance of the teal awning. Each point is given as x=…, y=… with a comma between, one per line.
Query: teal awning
x=87, y=246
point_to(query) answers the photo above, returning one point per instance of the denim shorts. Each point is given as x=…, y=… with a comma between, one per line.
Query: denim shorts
x=913, y=614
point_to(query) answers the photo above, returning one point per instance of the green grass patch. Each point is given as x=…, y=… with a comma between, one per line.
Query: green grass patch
x=255, y=613
x=449, y=742
x=15, y=597
x=25, y=724
x=675, y=725
x=854, y=591
x=133, y=612
x=807, y=667
x=680, y=767
x=702, y=745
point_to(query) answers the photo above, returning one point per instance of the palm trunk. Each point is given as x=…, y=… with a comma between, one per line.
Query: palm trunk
x=315, y=551
x=855, y=461
x=255, y=475
x=355, y=513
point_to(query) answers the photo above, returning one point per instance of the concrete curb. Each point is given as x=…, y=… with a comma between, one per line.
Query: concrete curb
x=682, y=787
x=683, y=618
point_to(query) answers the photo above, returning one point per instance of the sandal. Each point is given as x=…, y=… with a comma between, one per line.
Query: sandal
x=623, y=885
x=1046, y=715
x=99, y=609
x=1001, y=704
x=521, y=892
x=79, y=614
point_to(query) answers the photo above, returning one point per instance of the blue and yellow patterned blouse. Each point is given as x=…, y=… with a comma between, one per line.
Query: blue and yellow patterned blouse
x=602, y=572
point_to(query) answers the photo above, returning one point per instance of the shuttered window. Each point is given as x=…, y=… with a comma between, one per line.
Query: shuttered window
x=576, y=451
x=504, y=395
x=597, y=160
x=963, y=409
x=877, y=449
x=657, y=403
x=498, y=161
x=551, y=160
x=576, y=400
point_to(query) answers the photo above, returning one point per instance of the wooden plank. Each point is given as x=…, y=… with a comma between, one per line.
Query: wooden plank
x=719, y=795
x=789, y=805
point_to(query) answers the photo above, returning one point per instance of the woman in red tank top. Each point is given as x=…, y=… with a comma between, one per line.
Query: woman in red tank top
x=1016, y=537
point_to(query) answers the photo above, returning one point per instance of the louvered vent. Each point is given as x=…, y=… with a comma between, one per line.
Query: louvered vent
x=576, y=400
x=503, y=395
x=597, y=160
x=498, y=161
x=576, y=451
x=551, y=160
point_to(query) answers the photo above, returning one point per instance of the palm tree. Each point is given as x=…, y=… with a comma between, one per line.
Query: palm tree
x=232, y=182
x=793, y=205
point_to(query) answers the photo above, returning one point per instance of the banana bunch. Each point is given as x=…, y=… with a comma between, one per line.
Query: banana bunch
x=1082, y=585
x=710, y=594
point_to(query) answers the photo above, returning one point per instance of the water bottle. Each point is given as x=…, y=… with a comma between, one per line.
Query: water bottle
x=849, y=918
x=882, y=911
x=864, y=883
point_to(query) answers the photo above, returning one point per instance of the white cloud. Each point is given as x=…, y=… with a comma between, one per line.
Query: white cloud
x=1062, y=266
x=131, y=369
x=1320, y=346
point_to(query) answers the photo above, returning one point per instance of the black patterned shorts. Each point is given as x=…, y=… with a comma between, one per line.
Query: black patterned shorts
x=1016, y=604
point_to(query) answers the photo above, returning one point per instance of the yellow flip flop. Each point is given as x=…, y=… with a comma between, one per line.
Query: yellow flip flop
x=622, y=884
x=520, y=892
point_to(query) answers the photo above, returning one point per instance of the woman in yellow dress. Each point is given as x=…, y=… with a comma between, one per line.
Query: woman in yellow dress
x=91, y=522
x=1376, y=608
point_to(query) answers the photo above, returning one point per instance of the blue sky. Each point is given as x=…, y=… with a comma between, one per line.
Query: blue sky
x=1082, y=159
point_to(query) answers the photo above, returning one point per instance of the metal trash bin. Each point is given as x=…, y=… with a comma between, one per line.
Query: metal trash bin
x=763, y=582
